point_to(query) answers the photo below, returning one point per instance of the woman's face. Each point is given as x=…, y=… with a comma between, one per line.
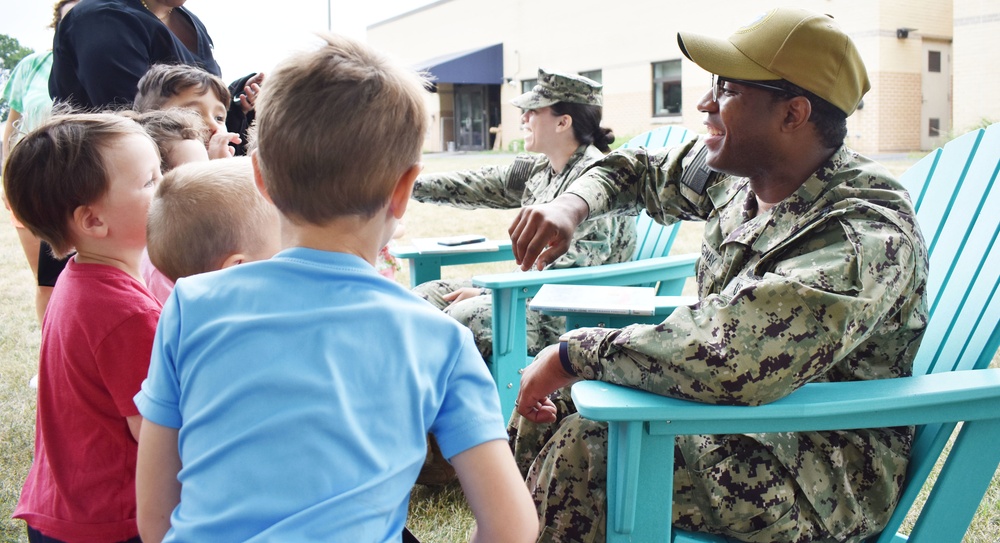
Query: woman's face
x=540, y=127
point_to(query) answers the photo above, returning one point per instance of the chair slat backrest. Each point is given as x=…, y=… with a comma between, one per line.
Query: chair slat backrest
x=959, y=215
x=653, y=239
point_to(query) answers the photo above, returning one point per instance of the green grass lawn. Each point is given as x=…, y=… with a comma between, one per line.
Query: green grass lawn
x=436, y=514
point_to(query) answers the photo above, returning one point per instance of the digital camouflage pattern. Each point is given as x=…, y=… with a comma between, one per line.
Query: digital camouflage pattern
x=556, y=87
x=829, y=285
x=604, y=240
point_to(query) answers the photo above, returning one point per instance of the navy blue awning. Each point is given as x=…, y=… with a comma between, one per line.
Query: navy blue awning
x=476, y=67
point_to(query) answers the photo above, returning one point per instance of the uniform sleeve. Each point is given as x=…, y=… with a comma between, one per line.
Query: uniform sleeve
x=105, y=54
x=159, y=398
x=605, y=240
x=764, y=337
x=630, y=180
x=123, y=358
x=474, y=189
x=470, y=413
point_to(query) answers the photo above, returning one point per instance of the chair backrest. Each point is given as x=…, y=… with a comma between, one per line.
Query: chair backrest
x=653, y=239
x=959, y=215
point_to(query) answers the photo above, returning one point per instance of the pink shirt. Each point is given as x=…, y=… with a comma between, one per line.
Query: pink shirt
x=156, y=283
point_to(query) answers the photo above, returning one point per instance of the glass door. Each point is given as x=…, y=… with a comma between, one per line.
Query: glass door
x=470, y=117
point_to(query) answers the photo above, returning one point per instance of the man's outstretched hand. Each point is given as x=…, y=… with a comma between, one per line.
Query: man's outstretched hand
x=542, y=233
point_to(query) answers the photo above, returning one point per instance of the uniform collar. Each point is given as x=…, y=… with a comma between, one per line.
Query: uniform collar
x=785, y=220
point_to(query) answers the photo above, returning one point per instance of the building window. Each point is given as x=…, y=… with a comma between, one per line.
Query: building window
x=595, y=75
x=934, y=61
x=527, y=85
x=934, y=128
x=667, y=88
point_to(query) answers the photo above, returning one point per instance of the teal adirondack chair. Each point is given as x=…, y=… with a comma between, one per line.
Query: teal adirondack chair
x=953, y=191
x=512, y=290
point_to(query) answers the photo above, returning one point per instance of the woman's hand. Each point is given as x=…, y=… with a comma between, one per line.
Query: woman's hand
x=250, y=92
x=464, y=293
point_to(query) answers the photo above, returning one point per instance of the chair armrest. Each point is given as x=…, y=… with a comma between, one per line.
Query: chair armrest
x=664, y=306
x=924, y=399
x=427, y=267
x=649, y=270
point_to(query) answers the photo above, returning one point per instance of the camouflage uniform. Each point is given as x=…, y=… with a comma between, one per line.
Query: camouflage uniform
x=829, y=285
x=601, y=241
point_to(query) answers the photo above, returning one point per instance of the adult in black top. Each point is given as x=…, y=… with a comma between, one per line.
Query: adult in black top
x=105, y=47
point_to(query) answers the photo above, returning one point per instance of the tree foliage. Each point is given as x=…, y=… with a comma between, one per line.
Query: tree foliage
x=11, y=52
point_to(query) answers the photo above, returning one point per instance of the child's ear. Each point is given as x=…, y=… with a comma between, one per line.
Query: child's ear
x=258, y=178
x=404, y=188
x=234, y=260
x=86, y=221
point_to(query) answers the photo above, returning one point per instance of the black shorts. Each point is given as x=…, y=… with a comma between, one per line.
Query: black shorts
x=49, y=267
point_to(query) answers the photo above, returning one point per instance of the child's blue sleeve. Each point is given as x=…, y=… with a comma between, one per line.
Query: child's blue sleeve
x=470, y=413
x=158, y=399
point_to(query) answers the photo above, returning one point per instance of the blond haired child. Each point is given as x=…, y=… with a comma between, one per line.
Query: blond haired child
x=166, y=86
x=208, y=216
x=181, y=136
x=84, y=182
x=290, y=399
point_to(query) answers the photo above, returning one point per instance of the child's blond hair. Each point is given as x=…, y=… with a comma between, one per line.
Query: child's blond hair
x=164, y=81
x=59, y=167
x=202, y=213
x=336, y=129
x=169, y=126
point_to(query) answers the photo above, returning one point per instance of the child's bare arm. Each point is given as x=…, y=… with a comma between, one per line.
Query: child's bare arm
x=496, y=493
x=157, y=490
x=134, y=425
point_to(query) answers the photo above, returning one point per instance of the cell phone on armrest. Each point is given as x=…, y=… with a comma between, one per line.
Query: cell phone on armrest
x=461, y=240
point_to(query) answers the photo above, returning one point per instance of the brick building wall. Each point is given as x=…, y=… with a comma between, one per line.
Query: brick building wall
x=623, y=42
x=899, y=100
x=976, y=63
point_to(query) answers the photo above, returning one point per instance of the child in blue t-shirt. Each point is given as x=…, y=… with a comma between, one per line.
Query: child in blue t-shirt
x=290, y=399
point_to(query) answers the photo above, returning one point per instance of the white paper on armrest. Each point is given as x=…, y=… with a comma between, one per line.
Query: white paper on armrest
x=595, y=299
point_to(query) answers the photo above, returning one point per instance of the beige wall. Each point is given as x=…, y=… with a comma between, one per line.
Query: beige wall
x=976, y=63
x=623, y=41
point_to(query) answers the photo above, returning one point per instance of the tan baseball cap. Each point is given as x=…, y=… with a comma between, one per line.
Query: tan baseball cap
x=556, y=87
x=802, y=47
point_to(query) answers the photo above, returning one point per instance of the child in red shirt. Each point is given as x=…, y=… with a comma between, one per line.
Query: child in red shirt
x=85, y=182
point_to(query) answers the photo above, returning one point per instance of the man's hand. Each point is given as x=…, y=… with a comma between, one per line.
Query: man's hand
x=544, y=376
x=542, y=233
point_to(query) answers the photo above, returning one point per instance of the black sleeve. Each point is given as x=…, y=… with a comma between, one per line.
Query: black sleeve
x=236, y=120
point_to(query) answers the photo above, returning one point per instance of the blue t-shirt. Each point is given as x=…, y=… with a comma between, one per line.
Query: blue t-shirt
x=303, y=388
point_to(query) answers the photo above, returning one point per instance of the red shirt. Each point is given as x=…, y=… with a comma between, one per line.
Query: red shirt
x=97, y=336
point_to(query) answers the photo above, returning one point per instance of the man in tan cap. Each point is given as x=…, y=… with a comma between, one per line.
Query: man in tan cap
x=812, y=269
